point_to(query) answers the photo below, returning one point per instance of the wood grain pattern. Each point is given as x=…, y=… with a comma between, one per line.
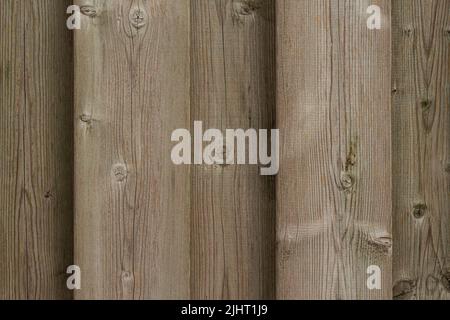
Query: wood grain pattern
x=421, y=138
x=148, y=229
x=233, y=210
x=36, y=91
x=334, y=186
x=131, y=202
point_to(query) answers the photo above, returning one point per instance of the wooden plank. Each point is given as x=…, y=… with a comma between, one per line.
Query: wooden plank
x=421, y=139
x=36, y=149
x=334, y=113
x=131, y=201
x=233, y=210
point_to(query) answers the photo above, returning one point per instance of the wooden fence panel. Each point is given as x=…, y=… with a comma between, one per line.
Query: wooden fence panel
x=147, y=228
x=233, y=207
x=36, y=90
x=131, y=201
x=334, y=186
x=421, y=158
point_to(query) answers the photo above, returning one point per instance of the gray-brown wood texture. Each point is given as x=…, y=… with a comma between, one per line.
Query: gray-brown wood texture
x=233, y=207
x=36, y=90
x=86, y=175
x=421, y=158
x=334, y=185
x=131, y=201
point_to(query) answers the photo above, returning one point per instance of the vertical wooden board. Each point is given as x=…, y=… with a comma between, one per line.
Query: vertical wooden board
x=421, y=135
x=36, y=149
x=334, y=113
x=131, y=201
x=233, y=208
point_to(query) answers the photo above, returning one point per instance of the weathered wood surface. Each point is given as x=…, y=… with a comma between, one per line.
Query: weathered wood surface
x=421, y=158
x=36, y=92
x=334, y=186
x=131, y=202
x=145, y=228
x=233, y=208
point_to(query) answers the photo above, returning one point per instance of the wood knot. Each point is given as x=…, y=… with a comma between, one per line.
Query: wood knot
x=286, y=253
x=445, y=280
x=86, y=118
x=447, y=168
x=244, y=8
x=405, y=289
x=120, y=172
x=408, y=31
x=224, y=156
x=350, y=162
x=428, y=114
x=447, y=32
x=89, y=11
x=419, y=210
x=220, y=158
x=431, y=283
x=127, y=276
x=381, y=244
x=48, y=195
x=347, y=180
x=426, y=104
x=138, y=18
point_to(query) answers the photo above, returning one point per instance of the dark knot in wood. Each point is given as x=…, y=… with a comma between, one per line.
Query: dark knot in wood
x=86, y=118
x=408, y=31
x=138, y=18
x=445, y=280
x=89, y=10
x=426, y=104
x=347, y=180
x=419, y=210
x=447, y=168
x=405, y=289
x=120, y=172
